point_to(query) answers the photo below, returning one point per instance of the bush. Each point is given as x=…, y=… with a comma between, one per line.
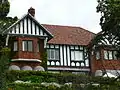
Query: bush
x=73, y=82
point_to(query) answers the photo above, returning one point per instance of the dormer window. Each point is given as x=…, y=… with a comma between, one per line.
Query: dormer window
x=27, y=45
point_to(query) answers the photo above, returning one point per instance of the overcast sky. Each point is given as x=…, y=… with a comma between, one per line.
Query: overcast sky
x=60, y=12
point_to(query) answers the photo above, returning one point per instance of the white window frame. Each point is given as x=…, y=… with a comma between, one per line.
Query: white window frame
x=74, y=55
x=110, y=54
x=28, y=45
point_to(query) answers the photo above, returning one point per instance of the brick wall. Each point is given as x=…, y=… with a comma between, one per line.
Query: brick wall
x=102, y=63
x=26, y=54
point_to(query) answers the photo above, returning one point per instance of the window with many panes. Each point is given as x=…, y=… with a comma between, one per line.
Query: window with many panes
x=76, y=55
x=53, y=54
x=110, y=54
x=27, y=45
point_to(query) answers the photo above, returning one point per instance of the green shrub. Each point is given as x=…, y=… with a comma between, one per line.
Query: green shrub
x=79, y=82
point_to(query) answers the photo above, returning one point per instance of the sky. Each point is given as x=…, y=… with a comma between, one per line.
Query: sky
x=80, y=13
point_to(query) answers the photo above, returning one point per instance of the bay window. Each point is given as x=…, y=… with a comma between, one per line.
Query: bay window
x=15, y=45
x=27, y=45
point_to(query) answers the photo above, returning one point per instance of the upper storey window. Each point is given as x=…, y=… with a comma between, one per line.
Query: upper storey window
x=110, y=54
x=15, y=45
x=27, y=45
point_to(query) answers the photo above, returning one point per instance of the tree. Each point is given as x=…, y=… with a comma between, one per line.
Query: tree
x=5, y=22
x=110, y=18
x=110, y=24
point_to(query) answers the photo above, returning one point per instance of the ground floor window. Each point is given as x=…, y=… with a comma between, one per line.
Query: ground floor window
x=77, y=55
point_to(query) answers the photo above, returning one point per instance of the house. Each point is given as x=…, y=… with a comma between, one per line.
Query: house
x=69, y=49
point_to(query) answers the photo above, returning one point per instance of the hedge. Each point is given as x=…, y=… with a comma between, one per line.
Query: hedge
x=79, y=82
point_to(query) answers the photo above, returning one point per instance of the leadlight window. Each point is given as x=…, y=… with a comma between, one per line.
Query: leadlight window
x=15, y=45
x=110, y=54
x=77, y=55
x=53, y=54
x=27, y=45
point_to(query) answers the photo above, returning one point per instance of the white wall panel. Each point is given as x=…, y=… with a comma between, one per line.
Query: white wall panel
x=29, y=26
x=68, y=54
x=25, y=26
x=65, y=60
x=61, y=55
x=33, y=28
x=21, y=27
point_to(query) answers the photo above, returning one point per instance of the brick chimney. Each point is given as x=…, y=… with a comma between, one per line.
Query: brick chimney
x=31, y=11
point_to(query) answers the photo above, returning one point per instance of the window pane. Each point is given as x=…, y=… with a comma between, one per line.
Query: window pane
x=110, y=55
x=78, y=55
x=57, y=54
x=81, y=55
x=105, y=55
x=72, y=55
x=15, y=46
x=24, y=45
x=115, y=54
x=52, y=54
x=48, y=54
x=30, y=46
x=38, y=47
x=97, y=55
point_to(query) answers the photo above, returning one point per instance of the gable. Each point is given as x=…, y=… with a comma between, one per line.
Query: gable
x=28, y=26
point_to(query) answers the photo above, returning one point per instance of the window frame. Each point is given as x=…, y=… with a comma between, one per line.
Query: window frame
x=27, y=46
x=49, y=50
x=74, y=50
x=113, y=57
x=15, y=49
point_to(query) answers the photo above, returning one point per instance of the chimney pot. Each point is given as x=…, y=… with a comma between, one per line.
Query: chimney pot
x=31, y=11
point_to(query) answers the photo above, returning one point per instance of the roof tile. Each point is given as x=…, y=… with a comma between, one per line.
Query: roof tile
x=69, y=35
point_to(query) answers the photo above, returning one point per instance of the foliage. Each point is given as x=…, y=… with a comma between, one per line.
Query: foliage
x=110, y=18
x=4, y=63
x=4, y=8
x=66, y=80
x=44, y=60
x=5, y=22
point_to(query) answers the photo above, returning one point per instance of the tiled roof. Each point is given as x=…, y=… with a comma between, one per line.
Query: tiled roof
x=69, y=35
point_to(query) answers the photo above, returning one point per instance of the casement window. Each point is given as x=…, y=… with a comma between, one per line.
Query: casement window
x=15, y=46
x=109, y=54
x=77, y=55
x=53, y=54
x=27, y=45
